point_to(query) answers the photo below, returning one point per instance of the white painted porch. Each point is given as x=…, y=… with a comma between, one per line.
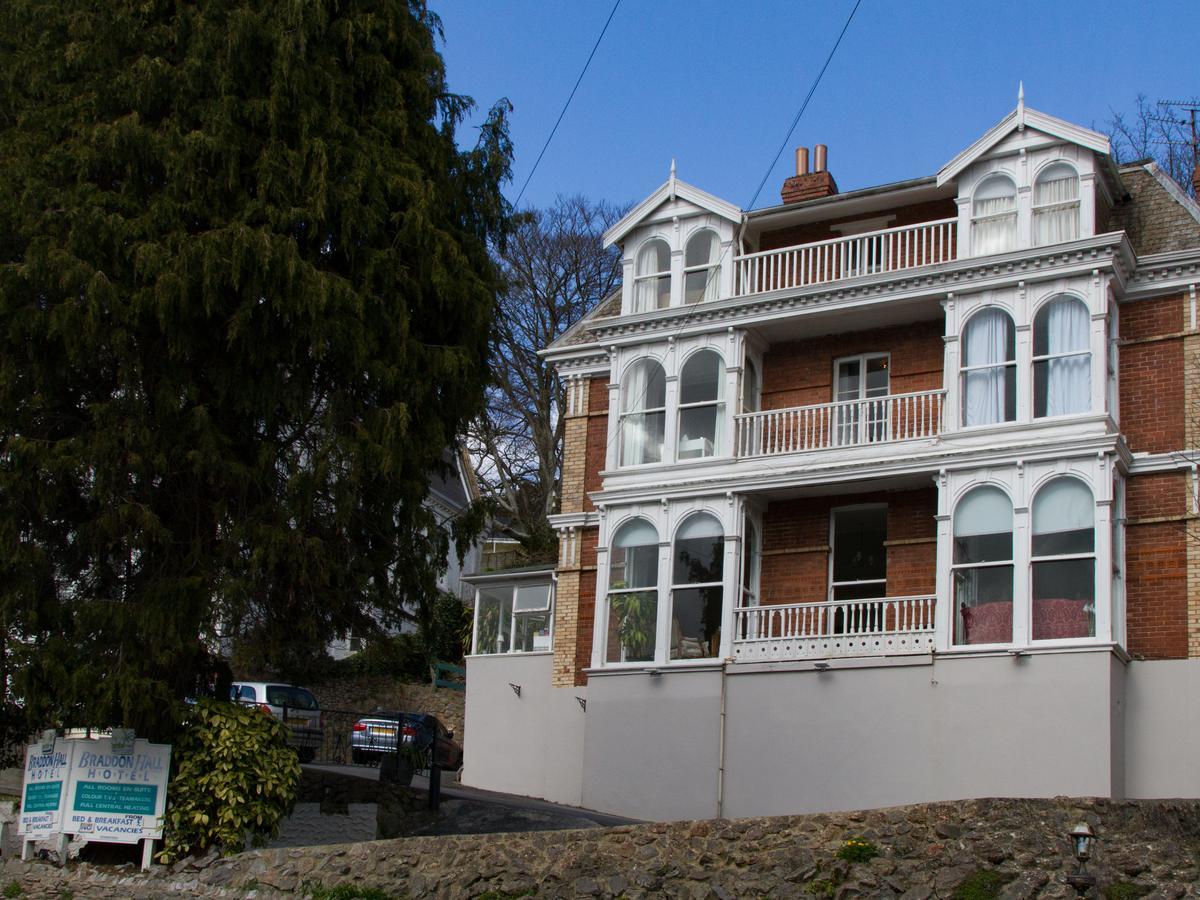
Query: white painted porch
x=872, y=253
x=845, y=423
x=881, y=626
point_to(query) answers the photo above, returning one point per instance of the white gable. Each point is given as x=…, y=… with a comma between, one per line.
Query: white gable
x=1023, y=128
x=674, y=199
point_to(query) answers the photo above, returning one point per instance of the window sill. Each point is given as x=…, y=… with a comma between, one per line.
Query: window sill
x=1041, y=648
x=510, y=654
x=655, y=669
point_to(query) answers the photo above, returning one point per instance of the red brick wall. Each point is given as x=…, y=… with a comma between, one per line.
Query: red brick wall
x=1156, y=566
x=1151, y=374
x=587, y=603
x=823, y=231
x=597, y=436
x=801, y=372
x=795, y=564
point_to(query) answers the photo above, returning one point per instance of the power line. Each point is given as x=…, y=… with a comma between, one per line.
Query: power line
x=803, y=106
x=595, y=46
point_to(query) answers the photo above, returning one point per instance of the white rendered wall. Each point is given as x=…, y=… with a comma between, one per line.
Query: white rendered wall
x=653, y=744
x=530, y=744
x=1162, y=729
x=996, y=726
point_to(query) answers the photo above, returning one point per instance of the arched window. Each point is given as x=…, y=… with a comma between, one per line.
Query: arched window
x=702, y=267
x=643, y=413
x=982, y=569
x=632, y=593
x=652, y=282
x=1064, y=561
x=696, y=588
x=994, y=216
x=750, y=564
x=1055, y=205
x=1062, y=361
x=701, y=405
x=989, y=369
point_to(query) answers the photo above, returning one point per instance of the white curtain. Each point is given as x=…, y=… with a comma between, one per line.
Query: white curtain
x=1056, y=210
x=712, y=283
x=985, y=344
x=1068, y=379
x=994, y=210
x=649, y=264
x=1063, y=505
x=633, y=425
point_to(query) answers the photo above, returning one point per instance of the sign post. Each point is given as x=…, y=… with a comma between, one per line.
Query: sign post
x=119, y=797
x=47, y=769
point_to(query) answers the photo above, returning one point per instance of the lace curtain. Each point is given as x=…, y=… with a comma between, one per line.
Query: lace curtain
x=986, y=344
x=1068, y=379
x=1056, y=210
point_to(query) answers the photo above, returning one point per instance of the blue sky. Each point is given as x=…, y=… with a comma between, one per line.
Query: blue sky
x=716, y=84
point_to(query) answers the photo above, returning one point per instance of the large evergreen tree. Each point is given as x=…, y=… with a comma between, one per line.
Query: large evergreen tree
x=245, y=299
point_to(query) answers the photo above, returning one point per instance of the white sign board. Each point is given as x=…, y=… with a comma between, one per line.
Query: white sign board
x=44, y=791
x=118, y=797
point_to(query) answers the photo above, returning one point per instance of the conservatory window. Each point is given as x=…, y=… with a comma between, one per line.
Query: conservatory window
x=982, y=568
x=513, y=618
x=989, y=369
x=643, y=413
x=652, y=282
x=1064, y=561
x=702, y=268
x=701, y=405
x=632, y=593
x=994, y=216
x=1056, y=205
x=696, y=588
x=1062, y=362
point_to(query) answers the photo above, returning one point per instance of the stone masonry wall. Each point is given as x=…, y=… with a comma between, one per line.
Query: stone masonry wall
x=380, y=692
x=1017, y=848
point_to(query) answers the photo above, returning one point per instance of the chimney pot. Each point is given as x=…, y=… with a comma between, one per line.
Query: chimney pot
x=820, y=156
x=801, y=160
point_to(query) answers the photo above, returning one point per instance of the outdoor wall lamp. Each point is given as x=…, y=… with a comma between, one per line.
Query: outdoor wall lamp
x=516, y=688
x=1082, y=837
x=821, y=666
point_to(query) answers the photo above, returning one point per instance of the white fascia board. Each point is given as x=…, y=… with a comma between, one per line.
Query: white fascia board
x=1163, y=273
x=671, y=188
x=574, y=520
x=1023, y=117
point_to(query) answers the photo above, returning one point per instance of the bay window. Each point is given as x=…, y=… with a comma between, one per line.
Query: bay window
x=1063, y=559
x=1055, y=205
x=701, y=405
x=652, y=280
x=989, y=369
x=632, y=593
x=1062, y=362
x=702, y=267
x=994, y=216
x=982, y=568
x=513, y=617
x=697, y=588
x=643, y=413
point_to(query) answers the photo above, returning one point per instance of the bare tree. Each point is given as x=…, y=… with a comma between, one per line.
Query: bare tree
x=1159, y=132
x=556, y=269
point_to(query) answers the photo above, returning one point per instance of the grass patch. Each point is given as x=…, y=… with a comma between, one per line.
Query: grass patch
x=821, y=887
x=13, y=889
x=982, y=884
x=347, y=892
x=505, y=895
x=1124, y=890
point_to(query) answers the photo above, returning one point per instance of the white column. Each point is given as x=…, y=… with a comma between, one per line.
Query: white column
x=1099, y=341
x=627, y=285
x=1024, y=354
x=671, y=429
x=662, y=646
x=943, y=636
x=1104, y=550
x=950, y=380
x=600, y=617
x=727, y=270
x=612, y=447
x=1022, y=588
x=964, y=226
x=731, y=571
x=1087, y=205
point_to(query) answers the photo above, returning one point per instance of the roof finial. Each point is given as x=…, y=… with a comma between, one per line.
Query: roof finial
x=1021, y=106
x=672, y=167
x=672, y=188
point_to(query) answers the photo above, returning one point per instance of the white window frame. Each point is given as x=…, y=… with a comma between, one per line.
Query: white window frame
x=1043, y=308
x=718, y=407
x=1010, y=214
x=689, y=586
x=610, y=591
x=1010, y=563
x=1035, y=208
x=854, y=507
x=639, y=280
x=1064, y=557
x=964, y=368
x=623, y=415
x=863, y=426
x=713, y=269
x=514, y=585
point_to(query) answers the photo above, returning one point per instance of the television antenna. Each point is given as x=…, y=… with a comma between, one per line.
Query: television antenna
x=1185, y=117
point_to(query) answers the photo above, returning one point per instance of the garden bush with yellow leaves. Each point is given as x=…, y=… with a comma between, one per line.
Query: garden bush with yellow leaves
x=235, y=776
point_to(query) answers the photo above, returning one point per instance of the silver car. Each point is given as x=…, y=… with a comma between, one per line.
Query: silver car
x=295, y=706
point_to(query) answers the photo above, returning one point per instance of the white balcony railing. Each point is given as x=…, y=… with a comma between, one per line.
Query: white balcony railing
x=845, y=423
x=876, y=252
x=885, y=626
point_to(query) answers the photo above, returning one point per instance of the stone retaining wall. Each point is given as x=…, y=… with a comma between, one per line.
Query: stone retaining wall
x=1147, y=848
x=380, y=692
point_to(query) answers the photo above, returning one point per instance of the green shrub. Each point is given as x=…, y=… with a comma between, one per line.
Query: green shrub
x=982, y=884
x=347, y=892
x=857, y=850
x=13, y=889
x=234, y=775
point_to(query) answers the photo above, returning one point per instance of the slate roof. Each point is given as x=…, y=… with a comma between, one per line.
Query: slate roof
x=1158, y=216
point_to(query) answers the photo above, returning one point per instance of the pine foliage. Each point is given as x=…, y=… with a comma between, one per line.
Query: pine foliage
x=245, y=296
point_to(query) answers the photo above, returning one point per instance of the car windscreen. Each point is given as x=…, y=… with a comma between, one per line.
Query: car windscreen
x=293, y=697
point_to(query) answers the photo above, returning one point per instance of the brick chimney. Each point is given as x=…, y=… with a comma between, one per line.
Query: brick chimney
x=806, y=185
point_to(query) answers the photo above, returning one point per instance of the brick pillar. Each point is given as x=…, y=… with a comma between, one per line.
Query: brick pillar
x=572, y=494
